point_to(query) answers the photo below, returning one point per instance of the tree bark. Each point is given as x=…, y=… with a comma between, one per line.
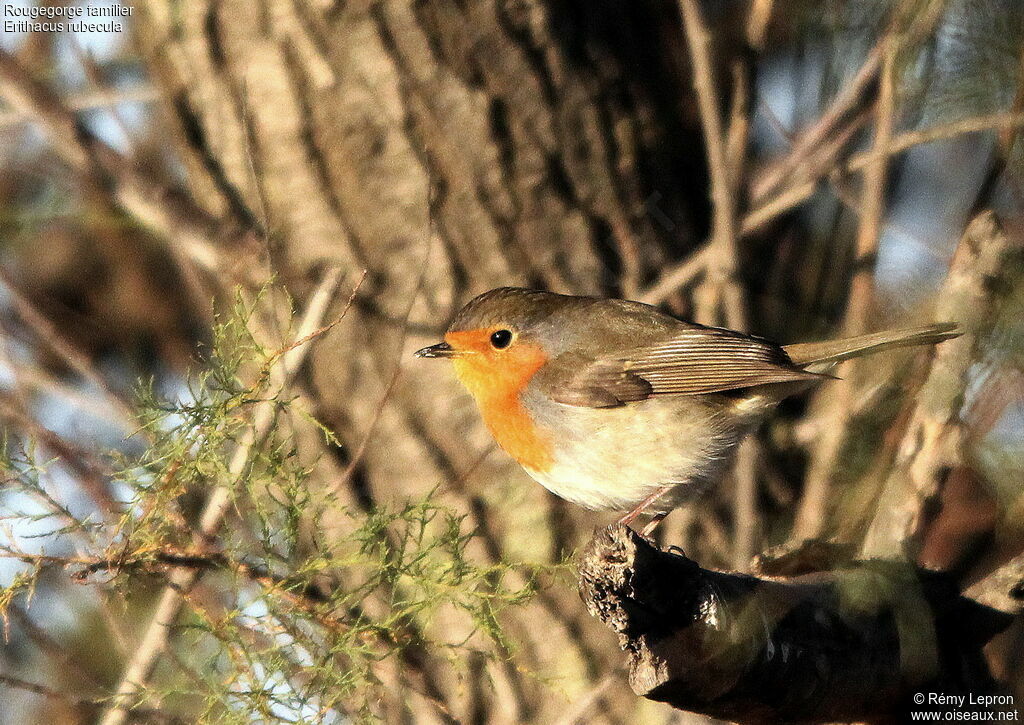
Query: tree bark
x=855, y=644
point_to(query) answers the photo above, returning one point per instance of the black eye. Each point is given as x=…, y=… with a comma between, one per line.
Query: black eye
x=501, y=339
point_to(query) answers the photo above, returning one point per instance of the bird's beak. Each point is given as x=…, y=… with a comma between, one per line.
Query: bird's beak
x=441, y=349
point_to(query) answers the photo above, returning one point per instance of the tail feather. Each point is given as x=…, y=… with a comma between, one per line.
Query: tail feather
x=829, y=351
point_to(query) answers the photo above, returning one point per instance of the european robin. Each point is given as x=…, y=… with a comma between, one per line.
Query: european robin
x=615, y=405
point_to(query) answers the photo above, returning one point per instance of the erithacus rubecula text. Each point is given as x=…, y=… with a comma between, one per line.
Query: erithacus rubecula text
x=614, y=405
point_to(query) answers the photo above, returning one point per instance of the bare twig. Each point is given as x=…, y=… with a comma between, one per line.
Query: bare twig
x=76, y=702
x=804, y=181
x=746, y=518
x=873, y=196
x=166, y=210
x=81, y=462
x=1002, y=122
x=44, y=691
x=738, y=133
x=629, y=253
x=55, y=340
x=758, y=18
x=722, y=262
x=745, y=514
x=793, y=195
x=181, y=580
x=88, y=101
x=811, y=512
x=676, y=277
x=32, y=377
x=778, y=205
x=96, y=77
x=725, y=152
x=909, y=24
x=845, y=103
x=797, y=193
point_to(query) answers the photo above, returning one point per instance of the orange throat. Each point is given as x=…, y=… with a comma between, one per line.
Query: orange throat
x=496, y=380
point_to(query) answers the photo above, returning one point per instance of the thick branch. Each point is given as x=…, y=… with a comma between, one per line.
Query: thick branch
x=933, y=442
x=854, y=644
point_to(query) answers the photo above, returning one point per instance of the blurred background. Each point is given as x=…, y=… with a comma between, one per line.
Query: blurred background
x=221, y=155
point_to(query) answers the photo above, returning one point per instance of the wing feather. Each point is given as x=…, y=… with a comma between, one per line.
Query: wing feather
x=693, y=361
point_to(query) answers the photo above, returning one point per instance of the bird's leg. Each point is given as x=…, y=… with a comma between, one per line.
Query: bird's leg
x=653, y=524
x=628, y=518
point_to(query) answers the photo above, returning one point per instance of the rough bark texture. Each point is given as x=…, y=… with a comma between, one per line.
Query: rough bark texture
x=447, y=147
x=852, y=645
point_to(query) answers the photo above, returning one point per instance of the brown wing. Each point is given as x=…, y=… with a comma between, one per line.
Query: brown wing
x=693, y=361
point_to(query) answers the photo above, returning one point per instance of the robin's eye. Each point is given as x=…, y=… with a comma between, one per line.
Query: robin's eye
x=501, y=339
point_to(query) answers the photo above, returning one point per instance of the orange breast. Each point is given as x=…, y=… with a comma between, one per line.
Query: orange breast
x=496, y=379
x=514, y=430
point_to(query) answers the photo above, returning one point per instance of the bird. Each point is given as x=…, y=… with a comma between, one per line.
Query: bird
x=615, y=405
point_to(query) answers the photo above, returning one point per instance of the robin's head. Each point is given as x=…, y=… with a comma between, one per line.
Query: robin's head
x=499, y=340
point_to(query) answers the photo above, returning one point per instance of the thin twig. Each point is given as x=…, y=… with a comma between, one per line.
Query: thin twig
x=802, y=190
x=166, y=210
x=845, y=103
x=910, y=27
x=34, y=378
x=746, y=518
x=758, y=18
x=792, y=196
x=805, y=180
x=88, y=101
x=90, y=472
x=810, y=517
x=869, y=230
x=322, y=330
x=991, y=122
x=676, y=277
x=738, y=129
x=44, y=691
x=725, y=153
x=158, y=562
x=95, y=76
x=745, y=513
x=52, y=337
x=181, y=580
x=393, y=377
x=812, y=509
x=724, y=254
x=73, y=701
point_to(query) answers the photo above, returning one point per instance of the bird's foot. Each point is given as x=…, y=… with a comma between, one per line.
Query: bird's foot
x=653, y=524
x=658, y=517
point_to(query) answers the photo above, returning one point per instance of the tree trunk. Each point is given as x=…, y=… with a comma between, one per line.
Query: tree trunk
x=447, y=148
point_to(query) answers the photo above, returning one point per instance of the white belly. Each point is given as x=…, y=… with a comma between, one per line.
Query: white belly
x=614, y=458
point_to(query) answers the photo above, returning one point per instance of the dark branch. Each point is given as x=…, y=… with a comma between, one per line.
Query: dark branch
x=853, y=644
